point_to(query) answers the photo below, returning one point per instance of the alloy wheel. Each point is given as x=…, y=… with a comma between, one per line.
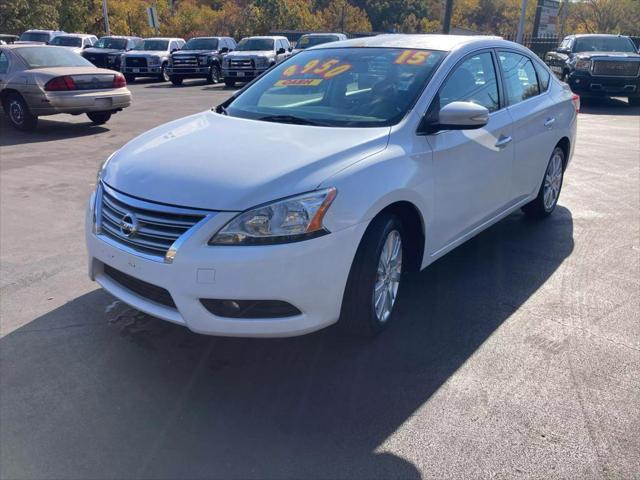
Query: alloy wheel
x=388, y=276
x=552, y=181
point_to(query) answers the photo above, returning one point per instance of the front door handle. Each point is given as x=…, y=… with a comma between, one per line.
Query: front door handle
x=549, y=121
x=503, y=141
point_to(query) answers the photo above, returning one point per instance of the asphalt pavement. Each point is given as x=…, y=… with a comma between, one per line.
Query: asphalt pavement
x=515, y=356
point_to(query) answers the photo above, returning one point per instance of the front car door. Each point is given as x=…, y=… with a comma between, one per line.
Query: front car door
x=532, y=110
x=472, y=168
x=4, y=69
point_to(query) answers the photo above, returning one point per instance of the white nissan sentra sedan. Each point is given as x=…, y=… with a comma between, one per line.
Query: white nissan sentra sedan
x=302, y=200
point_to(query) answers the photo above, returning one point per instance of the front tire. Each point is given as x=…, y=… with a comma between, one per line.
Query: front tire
x=214, y=74
x=163, y=77
x=177, y=81
x=20, y=117
x=375, y=278
x=99, y=118
x=545, y=203
x=229, y=82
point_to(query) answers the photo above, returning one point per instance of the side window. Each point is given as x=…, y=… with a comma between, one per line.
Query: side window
x=279, y=45
x=173, y=45
x=519, y=76
x=543, y=76
x=474, y=80
x=4, y=63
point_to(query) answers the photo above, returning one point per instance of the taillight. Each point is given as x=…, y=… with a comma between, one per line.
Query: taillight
x=60, y=83
x=576, y=102
x=119, y=81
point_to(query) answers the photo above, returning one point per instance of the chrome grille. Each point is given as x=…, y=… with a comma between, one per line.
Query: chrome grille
x=241, y=63
x=145, y=227
x=615, y=68
x=185, y=61
x=135, y=61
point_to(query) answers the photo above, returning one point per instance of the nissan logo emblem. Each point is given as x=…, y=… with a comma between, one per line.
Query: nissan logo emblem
x=129, y=224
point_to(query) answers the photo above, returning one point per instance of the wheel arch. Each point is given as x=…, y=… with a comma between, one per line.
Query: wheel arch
x=565, y=144
x=414, y=229
x=4, y=95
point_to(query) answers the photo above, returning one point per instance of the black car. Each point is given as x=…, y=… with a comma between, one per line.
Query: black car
x=598, y=65
x=107, y=51
x=200, y=57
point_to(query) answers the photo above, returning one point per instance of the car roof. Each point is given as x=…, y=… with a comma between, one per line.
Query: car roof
x=76, y=35
x=163, y=38
x=273, y=37
x=320, y=34
x=120, y=36
x=579, y=35
x=419, y=41
x=38, y=30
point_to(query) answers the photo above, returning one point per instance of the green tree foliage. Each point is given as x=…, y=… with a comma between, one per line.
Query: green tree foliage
x=239, y=18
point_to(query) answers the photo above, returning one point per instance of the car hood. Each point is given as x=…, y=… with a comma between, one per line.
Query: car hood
x=608, y=54
x=216, y=162
x=251, y=53
x=103, y=51
x=193, y=52
x=143, y=53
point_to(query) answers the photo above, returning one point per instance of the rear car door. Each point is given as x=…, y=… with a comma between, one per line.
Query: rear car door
x=532, y=110
x=472, y=168
x=4, y=69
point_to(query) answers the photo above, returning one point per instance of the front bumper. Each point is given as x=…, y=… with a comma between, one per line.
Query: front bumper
x=242, y=75
x=310, y=275
x=188, y=72
x=78, y=101
x=142, y=71
x=583, y=83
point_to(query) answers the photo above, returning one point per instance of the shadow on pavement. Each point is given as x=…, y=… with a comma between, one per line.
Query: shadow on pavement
x=47, y=131
x=90, y=394
x=607, y=106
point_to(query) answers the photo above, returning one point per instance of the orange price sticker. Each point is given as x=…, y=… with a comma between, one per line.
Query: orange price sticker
x=412, y=57
x=298, y=82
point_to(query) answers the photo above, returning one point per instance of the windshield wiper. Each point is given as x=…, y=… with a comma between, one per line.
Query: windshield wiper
x=291, y=119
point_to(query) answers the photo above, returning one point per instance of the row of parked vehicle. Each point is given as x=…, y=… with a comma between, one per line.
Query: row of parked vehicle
x=173, y=59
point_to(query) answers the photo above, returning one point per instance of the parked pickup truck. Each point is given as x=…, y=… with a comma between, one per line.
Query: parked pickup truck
x=107, y=51
x=252, y=57
x=598, y=65
x=201, y=57
x=150, y=58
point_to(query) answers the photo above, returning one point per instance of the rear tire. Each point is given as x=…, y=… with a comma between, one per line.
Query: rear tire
x=214, y=75
x=129, y=78
x=229, y=83
x=177, y=81
x=20, y=117
x=545, y=203
x=375, y=277
x=99, y=118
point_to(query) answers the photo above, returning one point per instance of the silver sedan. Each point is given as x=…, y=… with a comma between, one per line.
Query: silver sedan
x=38, y=80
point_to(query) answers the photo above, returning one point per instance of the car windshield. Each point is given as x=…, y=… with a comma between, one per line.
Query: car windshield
x=306, y=42
x=160, y=45
x=67, y=41
x=345, y=87
x=109, y=42
x=201, y=44
x=604, y=44
x=43, y=57
x=248, y=44
x=34, y=37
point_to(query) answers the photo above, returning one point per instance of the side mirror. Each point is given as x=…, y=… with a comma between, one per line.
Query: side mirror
x=290, y=49
x=174, y=50
x=456, y=116
x=280, y=51
x=224, y=50
x=563, y=50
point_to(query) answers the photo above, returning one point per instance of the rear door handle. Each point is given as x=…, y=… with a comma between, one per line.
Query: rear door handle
x=549, y=121
x=503, y=141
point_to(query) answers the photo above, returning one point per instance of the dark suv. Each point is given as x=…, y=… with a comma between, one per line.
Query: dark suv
x=106, y=52
x=598, y=65
x=201, y=57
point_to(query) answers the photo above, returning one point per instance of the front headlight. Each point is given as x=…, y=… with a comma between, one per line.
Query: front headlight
x=154, y=60
x=225, y=61
x=583, y=64
x=203, y=60
x=102, y=166
x=289, y=220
